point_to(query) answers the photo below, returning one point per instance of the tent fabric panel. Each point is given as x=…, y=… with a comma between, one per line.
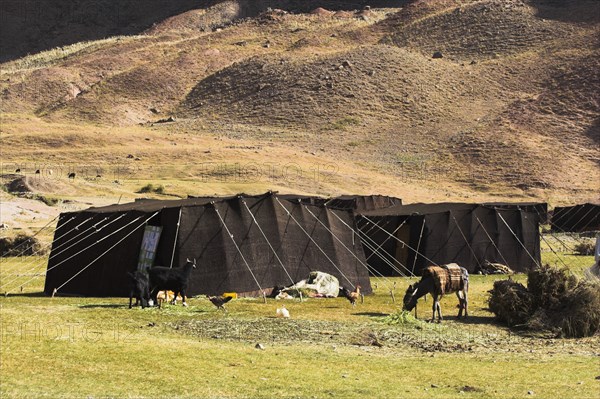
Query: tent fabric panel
x=375, y=237
x=108, y=275
x=484, y=235
x=221, y=268
x=577, y=218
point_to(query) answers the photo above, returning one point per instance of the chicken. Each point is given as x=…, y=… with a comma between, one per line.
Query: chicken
x=219, y=301
x=352, y=296
x=282, y=312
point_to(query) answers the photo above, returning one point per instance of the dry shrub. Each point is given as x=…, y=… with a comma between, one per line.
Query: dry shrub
x=553, y=301
x=21, y=245
x=511, y=302
x=580, y=314
x=549, y=285
x=585, y=248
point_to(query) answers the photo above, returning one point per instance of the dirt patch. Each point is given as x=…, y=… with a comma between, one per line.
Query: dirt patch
x=36, y=184
x=424, y=337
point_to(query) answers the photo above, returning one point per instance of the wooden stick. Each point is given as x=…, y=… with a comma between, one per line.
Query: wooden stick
x=393, y=297
x=264, y=297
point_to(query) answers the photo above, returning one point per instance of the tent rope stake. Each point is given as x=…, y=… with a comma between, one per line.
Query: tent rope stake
x=334, y=236
x=83, y=250
x=371, y=246
x=386, y=240
x=238, y=249
x=175, y=241
x=70, y=246
x=418, y=246
x=366, y=266
x=492, y=241
x=466, y=241
x=517, y=238
x=402, y=242
x=38, y=232
x=313, y=241
x=268, y=242
x=109, y=249
x=25, y=261
x=34, y=261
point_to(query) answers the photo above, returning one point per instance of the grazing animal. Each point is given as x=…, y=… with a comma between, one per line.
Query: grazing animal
x=219, y=301
x=139, y=288
x=72, y=175
x=352, y=296
x=166, y=278
x=437, y=281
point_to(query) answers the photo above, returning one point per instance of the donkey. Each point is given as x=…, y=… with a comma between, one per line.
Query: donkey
x=438, y=280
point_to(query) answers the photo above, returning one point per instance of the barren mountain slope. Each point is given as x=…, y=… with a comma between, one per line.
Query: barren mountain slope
x=510, y=110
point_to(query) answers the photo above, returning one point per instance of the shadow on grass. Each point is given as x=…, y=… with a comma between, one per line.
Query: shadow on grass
x=372, y=314
x=26, y=295
x=107, y=305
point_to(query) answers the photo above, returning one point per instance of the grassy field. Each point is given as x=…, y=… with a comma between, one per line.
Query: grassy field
x=97, y=347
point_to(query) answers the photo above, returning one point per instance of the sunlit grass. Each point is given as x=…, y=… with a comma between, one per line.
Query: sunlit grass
x=54, y=56
x=79, y=347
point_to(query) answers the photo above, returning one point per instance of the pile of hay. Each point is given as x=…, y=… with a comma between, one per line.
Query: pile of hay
x=511, y=302
x=552, y=301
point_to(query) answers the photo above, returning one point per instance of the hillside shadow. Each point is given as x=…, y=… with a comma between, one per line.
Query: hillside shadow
x=27, y=295
x=593, y=131
x=568, y=10
x=28, y=27
x=372, y=314
x=106, y=306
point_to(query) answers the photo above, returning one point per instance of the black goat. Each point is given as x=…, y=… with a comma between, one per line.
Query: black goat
x=139, y=288
x=176, y=280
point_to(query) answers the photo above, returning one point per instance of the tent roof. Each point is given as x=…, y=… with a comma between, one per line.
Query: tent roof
x=422, y=209
x=153, y=205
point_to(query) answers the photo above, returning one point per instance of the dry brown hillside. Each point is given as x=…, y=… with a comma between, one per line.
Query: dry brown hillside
x=509, y=111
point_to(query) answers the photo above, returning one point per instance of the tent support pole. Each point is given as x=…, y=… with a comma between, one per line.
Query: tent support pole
x=176, y=235
x=418, y=246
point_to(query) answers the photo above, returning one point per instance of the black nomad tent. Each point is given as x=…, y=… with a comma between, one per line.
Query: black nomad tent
x=362, y=203
x=243, y=244
x=404, y=239
x=576, y=219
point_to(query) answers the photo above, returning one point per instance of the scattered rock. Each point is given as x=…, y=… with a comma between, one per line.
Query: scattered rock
x=346, y=64
x=437, y=54
x=151, y=324
x=260, y=346
x=130, y=156
x=530, y=392
x=165, y=120
x=434, y=386
x=154, y=110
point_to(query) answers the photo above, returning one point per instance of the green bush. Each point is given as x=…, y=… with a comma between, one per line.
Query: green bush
x=150, y=188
